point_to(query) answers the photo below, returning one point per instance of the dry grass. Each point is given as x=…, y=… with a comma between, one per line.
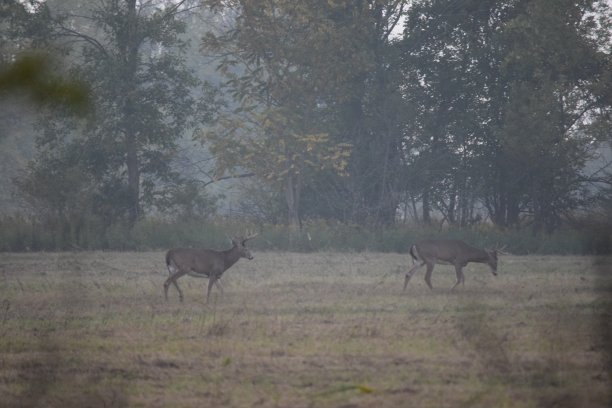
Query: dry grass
x=303, y=330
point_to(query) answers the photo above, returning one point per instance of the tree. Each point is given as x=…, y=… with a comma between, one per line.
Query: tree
x=553, y=64
x=449, y=59
x=132, y=54
x=311, y=80
x=503, y=95
x=25, y=69
x=272, y=69
x=375, y=115
x=31, y=82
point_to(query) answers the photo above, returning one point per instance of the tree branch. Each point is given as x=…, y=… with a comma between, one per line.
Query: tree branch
x=236, y=176
x=73, y=33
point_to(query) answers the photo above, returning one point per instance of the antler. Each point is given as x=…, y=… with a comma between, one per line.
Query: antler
x=250, y=235
x=502, y=250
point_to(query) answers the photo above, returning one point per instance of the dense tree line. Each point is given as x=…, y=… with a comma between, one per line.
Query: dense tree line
x=477, y=109
x=361, y=111
x=114, y=162
x=514, y=93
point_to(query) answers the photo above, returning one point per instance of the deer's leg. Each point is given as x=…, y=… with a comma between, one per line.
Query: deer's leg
x=211, y=281
x=175, y=283
x=175, y=273
x=411, y=272
x=460, y=277
x=430, y=267
x=218, y=285
x=172, y=280
x=166, y=284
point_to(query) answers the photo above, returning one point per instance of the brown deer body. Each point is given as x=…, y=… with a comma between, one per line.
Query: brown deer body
x=448, y=252
x=204, y=263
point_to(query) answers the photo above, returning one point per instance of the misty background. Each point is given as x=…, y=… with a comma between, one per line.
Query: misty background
x=321, y=124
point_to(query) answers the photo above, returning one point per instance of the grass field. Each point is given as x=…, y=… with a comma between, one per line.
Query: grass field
x=303, y=330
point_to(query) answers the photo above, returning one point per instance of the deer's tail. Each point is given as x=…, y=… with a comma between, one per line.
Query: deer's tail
x=169, y=261
x=414, y=253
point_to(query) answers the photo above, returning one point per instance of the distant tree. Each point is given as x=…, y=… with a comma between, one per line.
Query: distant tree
x=556, y=59
x=312, y=84
x=374, y=115
x=450, y=59
x=271, y=65
x=22, y=25
x=504, y=94
x=132, y=55
x=25, y=68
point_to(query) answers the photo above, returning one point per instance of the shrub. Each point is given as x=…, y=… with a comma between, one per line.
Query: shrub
x=21, y=234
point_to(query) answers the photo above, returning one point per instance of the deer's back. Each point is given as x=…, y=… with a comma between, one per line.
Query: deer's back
x=447, y=250
x=204, y=261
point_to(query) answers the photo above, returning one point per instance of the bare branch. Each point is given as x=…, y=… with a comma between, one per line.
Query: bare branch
x=398, y=16
x=69, y=32
x=236, y=176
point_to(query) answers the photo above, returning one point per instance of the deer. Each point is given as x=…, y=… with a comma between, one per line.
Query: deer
x=204, y=263
x=448, y=252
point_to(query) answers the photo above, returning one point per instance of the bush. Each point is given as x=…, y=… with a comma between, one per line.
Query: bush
x=22, y=234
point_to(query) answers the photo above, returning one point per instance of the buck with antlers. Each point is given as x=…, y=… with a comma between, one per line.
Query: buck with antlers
x=448, y=252
x=204, y=263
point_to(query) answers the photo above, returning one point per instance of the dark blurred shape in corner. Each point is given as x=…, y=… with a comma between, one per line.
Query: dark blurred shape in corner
x=32, y=75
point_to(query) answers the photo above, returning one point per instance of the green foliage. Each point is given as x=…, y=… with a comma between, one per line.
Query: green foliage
x=144, y=97
x=505, y=94
x=481, y=109
x=292, y=68
x=550, y=69
x=488, y=102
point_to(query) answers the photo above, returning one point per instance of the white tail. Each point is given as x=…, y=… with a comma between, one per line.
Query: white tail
x=448, y=252
x=204, y=263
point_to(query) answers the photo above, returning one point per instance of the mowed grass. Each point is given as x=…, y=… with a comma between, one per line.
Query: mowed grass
x=303, y=330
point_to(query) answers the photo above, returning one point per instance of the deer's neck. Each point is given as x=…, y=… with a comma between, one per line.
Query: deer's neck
x=477, y=255
x=231, y=256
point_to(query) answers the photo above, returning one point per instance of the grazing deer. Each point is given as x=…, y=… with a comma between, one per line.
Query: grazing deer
x=204, y=263
x=448, y=252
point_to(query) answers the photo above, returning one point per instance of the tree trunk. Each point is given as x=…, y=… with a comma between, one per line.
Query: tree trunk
x=426, y=207
x=452, y=207
x=292, y=197
x=133, y=170
x=512, y=211
x=130, y=51
x=414, y=208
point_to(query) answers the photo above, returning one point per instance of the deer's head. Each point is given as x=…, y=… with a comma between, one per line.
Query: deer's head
x=493, y=253
x=239, y=243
